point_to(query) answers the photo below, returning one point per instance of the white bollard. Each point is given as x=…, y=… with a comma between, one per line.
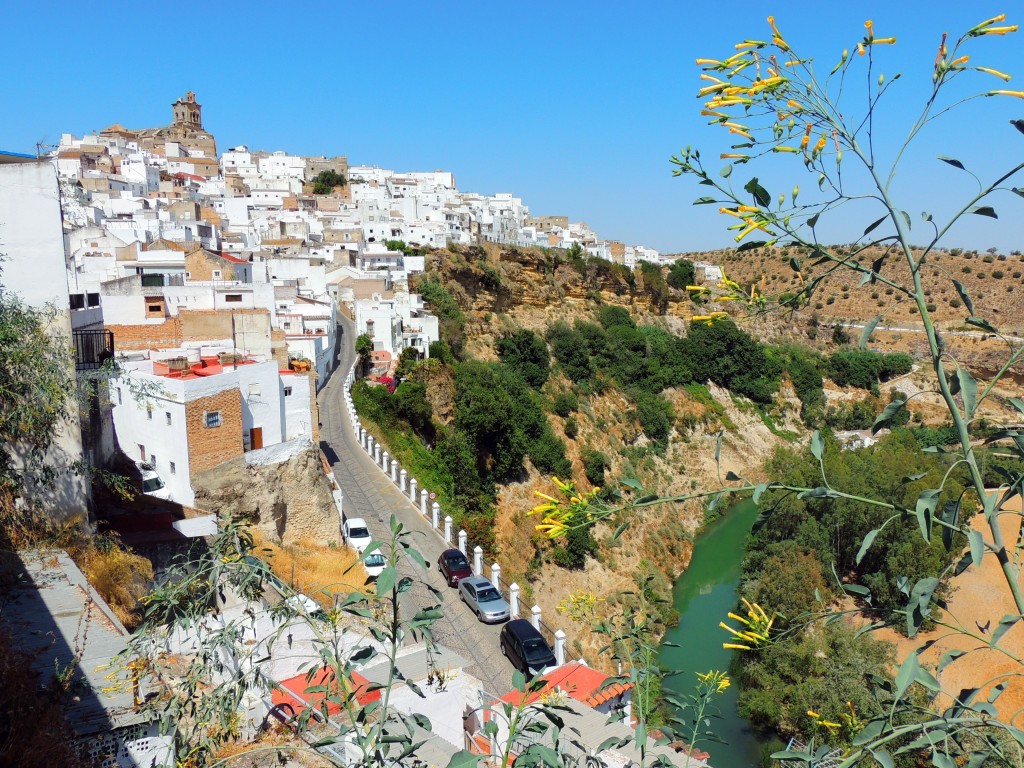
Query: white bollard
x=376, y=453
x=423, y=503
x=385, y=461
x=559, y=647
x=535, y=617
x=394, y=470
x=403, y=478
x=513, y=600
x=463, y=541
x=413, y=490
x=435, y=515
x=369, y=444
x=496, y=576
x=448, y=529
x=478, y=561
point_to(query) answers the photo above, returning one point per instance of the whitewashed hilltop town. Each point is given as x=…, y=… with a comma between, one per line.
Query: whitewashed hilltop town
x=222, y=285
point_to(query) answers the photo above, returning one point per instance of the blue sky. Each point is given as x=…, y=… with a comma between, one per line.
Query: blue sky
x=573, y=106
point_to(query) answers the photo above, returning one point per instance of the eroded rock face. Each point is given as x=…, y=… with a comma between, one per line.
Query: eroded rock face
x=288, y=501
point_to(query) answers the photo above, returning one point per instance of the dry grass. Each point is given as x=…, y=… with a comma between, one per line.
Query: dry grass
x=314, y=569
x=120, y=576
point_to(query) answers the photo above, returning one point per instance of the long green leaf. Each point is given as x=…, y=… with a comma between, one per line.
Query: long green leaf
x=874, y=225
x=866, y=544
x=907, y=673
x=969, y=390
x=964, y=296
x=869, y=328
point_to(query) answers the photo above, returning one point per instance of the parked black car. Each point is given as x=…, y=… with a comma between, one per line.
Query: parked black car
x=524, y=646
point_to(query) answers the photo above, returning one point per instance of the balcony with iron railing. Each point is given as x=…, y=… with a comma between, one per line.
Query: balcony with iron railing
x=92, y=348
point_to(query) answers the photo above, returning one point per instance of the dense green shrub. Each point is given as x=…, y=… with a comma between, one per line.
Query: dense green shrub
x=654, y=414
x=681, y=274
x=526, y=353
x=577, y=546
x=565, y=403
x=594, y=465
x=570, y=350
x=861, y=367
x=730, y=358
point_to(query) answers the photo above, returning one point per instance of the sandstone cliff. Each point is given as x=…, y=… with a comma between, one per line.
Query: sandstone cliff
x=289, y=500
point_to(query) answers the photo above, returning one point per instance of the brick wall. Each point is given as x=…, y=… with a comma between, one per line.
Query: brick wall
x=149, y=336
x=210, y=446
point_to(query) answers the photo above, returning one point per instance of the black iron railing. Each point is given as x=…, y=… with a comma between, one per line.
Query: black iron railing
x=92, y=349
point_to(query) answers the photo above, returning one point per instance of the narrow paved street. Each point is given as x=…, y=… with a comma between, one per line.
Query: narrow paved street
x=371, y=495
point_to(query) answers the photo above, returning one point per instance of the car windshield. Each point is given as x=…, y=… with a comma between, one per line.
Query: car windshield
x=152, y=484
x=536, y=649
x=374, y=560
x=359, y=533
x=488, y=595
x=457, y=562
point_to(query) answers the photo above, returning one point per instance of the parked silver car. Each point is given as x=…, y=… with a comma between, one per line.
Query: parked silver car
x=486, y=601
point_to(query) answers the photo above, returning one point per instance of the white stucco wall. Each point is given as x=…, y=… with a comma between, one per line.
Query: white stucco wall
x=32, y=242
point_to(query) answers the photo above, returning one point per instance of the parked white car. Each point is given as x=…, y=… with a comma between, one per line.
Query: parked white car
x=152, y=483
x=374, y=563
x=357, y=534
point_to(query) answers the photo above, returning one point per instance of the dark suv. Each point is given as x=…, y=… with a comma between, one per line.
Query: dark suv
x=525, y=648
x=454, y=566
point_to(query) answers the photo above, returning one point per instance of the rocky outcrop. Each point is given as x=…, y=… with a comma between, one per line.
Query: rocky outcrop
x=288, y=497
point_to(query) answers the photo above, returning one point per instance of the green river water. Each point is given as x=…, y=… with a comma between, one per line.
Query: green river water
x=703, y=596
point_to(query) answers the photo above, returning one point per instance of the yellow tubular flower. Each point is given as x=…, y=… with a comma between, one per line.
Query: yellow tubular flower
x=958, y=62
x=994, y=72
x=713, y=62
x=884, y=41
x=821, y=144
x=545, y=496
x=870, y=27
x=741, y=132
x=733, y=156
x=813, y=714
x=784, y=149
x=710, y=89
x=861, y=50
x=747, y=230
x=1018, y=94
x=700, y=318
x=747, y=209
x=730, y=212
x=737, y=646
x=990, y=22
x=998, y=30
x=710, y=113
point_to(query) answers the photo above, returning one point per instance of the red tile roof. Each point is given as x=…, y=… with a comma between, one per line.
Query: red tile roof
x=296, y=698
x=579, y=681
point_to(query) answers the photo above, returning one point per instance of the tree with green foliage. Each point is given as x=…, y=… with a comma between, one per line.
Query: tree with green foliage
x=527, y=354
x=570, y=350
x=681, y=274
x=325, y=182
x=37, y=392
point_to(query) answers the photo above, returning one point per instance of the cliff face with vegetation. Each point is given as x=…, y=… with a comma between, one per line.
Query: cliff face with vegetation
x=608, y=428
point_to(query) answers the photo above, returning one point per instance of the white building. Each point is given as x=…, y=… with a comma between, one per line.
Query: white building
x=188, y=410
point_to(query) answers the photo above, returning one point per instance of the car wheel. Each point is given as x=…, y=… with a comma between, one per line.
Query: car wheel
x=462, y=597
x=503, y=651
x=479, y=616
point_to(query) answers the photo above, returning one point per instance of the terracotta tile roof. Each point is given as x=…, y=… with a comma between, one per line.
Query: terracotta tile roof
x=296, y=699
x=579, y=681
x=232, y=258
